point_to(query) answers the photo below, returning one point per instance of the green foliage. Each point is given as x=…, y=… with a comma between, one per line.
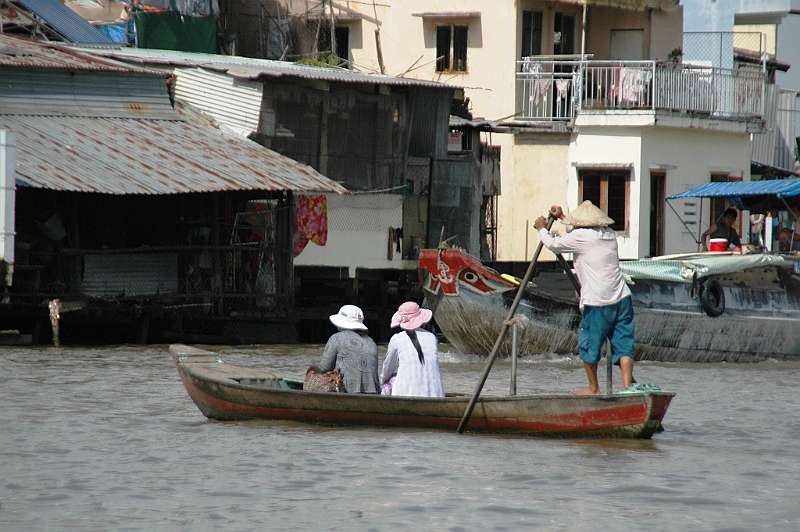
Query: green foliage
x=675, y=56
x=322, y=60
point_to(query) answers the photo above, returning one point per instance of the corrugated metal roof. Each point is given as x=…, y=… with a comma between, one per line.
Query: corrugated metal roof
x=57, y=92
x=129, y=151
x=785, y=121
x=146, y=156
x=27, y=53
x=66, y=22
x=249, y=68
x=233, y=102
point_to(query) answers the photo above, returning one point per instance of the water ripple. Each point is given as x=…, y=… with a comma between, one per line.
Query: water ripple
x=107, y=439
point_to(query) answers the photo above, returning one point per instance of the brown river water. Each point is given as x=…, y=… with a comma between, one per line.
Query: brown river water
x=107, y=439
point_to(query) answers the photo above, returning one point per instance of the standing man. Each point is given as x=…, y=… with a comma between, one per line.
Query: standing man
x=605, y=299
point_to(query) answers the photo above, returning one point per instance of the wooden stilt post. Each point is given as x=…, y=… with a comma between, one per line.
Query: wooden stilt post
x=609, y=368
x=514, y=353
x=55, y=318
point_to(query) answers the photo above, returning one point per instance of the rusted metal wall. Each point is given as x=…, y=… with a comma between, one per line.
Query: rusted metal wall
x=430, y=122
x=455, y=201
x=490, y=169
x=355, y=138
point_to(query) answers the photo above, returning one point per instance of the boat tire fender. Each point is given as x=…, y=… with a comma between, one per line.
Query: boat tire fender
x=712, y=298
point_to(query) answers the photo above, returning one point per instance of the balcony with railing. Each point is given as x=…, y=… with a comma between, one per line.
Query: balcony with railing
x=560, y=90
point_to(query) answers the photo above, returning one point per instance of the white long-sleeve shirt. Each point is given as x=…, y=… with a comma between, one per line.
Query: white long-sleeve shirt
x=596, y=260
x=413, y=378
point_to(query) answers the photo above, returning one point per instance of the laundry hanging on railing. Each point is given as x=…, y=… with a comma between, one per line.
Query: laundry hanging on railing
x=562, y=86
x=633, y=85
x=540, y=88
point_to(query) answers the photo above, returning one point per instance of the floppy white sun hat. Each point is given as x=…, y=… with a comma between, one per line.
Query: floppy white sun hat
x=350, y=317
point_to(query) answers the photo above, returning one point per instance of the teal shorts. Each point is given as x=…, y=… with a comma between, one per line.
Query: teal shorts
x=614, y=322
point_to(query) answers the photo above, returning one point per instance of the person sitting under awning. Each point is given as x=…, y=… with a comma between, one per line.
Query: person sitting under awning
x=723, y=230
x=790, y=241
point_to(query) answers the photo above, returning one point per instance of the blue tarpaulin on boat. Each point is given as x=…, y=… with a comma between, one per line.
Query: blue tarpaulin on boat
x=685, y=269
x=755, y=196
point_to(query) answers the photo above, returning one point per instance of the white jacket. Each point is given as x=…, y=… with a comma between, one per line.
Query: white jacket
x=413, y=378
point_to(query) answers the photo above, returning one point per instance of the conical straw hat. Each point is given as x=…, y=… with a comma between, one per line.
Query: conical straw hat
x=587, y=215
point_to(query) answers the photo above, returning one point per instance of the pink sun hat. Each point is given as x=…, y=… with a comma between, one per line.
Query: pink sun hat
x=410, y=316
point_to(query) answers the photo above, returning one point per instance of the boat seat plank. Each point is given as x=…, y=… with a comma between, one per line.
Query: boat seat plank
x=225, y=371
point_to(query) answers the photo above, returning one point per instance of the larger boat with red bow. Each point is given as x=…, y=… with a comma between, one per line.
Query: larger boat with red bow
x=704, y=307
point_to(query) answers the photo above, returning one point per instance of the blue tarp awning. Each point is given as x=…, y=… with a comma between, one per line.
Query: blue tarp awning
x=755, y=196
x=781, y=188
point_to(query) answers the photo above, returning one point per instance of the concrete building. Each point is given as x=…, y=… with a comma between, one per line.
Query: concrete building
x=586, y=101
x=759, y=28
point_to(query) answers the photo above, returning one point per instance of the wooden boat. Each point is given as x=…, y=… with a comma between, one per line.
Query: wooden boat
x=226, y=392
x=747, y=310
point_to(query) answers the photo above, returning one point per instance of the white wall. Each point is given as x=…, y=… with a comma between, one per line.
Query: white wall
x=409, y=47
x=687, y=156
x=620, y=147
x=695, y=155
x=705, y=15
x=358, y=233
x=536, y=169
x=788, y=49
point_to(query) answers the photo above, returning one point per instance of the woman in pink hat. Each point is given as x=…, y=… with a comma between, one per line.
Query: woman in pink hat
x=413, y=355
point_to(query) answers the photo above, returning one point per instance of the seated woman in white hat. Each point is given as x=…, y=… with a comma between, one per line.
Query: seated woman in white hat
x=413, y=355
x=352, y=351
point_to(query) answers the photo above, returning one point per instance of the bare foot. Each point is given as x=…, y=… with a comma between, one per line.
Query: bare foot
x=586, y=391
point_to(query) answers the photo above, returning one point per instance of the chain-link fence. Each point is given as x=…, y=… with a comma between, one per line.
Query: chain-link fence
x=721, y=49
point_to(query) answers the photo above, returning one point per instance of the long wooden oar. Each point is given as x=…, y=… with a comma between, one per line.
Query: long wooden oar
x=571, y=276
x=503, y=330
